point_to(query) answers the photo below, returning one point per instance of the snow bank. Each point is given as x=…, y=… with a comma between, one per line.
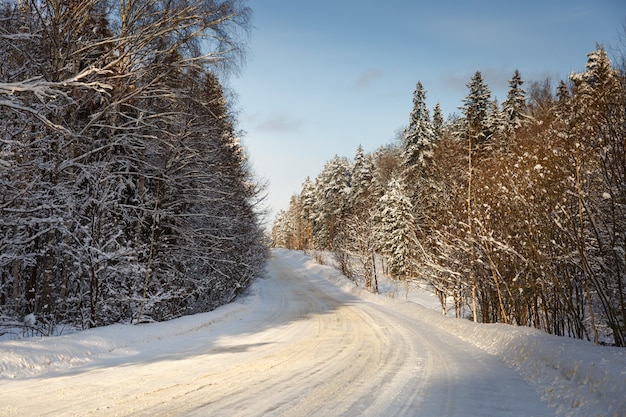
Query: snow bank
x=112, y=344
x=571, y=374
x=574, y=376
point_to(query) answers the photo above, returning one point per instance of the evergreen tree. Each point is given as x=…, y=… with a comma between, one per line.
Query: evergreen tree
x=599, y=72
x=419, y=136
x=362, y=176
x=514, y=107
x=477, y=131
x=438, y=121
x=563, y=101
x=497, y=123
x=332, y=194
x=476, y=107
x=397, y=230
x=307, y=213
x=279, y=230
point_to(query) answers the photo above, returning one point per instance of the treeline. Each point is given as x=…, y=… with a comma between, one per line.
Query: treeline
x=516, y=210
x=125, y=195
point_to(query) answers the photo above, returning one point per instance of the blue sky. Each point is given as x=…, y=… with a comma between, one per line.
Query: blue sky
x=322, y=77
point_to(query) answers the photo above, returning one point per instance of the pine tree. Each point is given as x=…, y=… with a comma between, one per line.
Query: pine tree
x=332, y=194
x=476, y=107
x=279, y=230
x=497, y=124
x=438, y=121
x=307, y=211
x=362, y=175
x=419, y=136
x=514, y=107
x=397, y=230
x=563, y=101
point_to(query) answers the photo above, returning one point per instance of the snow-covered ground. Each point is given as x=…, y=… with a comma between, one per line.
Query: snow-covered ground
x=306, y=341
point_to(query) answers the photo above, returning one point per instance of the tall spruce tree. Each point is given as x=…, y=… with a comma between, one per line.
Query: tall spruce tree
x=438, y=121
x=307, y=213
x=419, y=136
x=361, y=180
x=514, y=107
x=397, y=230
x=476, y=107
x=332, y=194
x=477, y=132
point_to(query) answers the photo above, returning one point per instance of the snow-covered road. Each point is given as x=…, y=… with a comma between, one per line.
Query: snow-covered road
x=297, y=345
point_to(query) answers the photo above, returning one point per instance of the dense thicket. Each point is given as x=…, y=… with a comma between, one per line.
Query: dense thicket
x=517, y=211
x=124, y=192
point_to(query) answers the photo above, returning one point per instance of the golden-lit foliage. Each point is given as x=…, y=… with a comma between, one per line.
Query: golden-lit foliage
x=527, y=222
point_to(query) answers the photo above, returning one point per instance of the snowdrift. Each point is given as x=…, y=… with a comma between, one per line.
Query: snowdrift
x=574, y=376
x=110, y=345
x=569, y=373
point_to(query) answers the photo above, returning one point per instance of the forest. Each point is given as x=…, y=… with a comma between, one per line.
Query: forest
x=125, y=193
x=516, y=211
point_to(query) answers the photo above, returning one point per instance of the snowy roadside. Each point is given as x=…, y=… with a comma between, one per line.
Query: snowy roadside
x=574, y=376
x=114, y=344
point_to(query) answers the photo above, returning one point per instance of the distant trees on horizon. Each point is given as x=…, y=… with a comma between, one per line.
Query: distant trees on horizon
x=516, y=210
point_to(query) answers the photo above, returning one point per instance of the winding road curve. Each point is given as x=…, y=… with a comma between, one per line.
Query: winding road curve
x=307, y=349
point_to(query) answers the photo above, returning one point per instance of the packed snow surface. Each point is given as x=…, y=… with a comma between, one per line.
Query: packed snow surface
x=304, y=341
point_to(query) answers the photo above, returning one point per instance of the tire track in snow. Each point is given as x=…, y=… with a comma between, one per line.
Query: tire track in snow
x=308, y=349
